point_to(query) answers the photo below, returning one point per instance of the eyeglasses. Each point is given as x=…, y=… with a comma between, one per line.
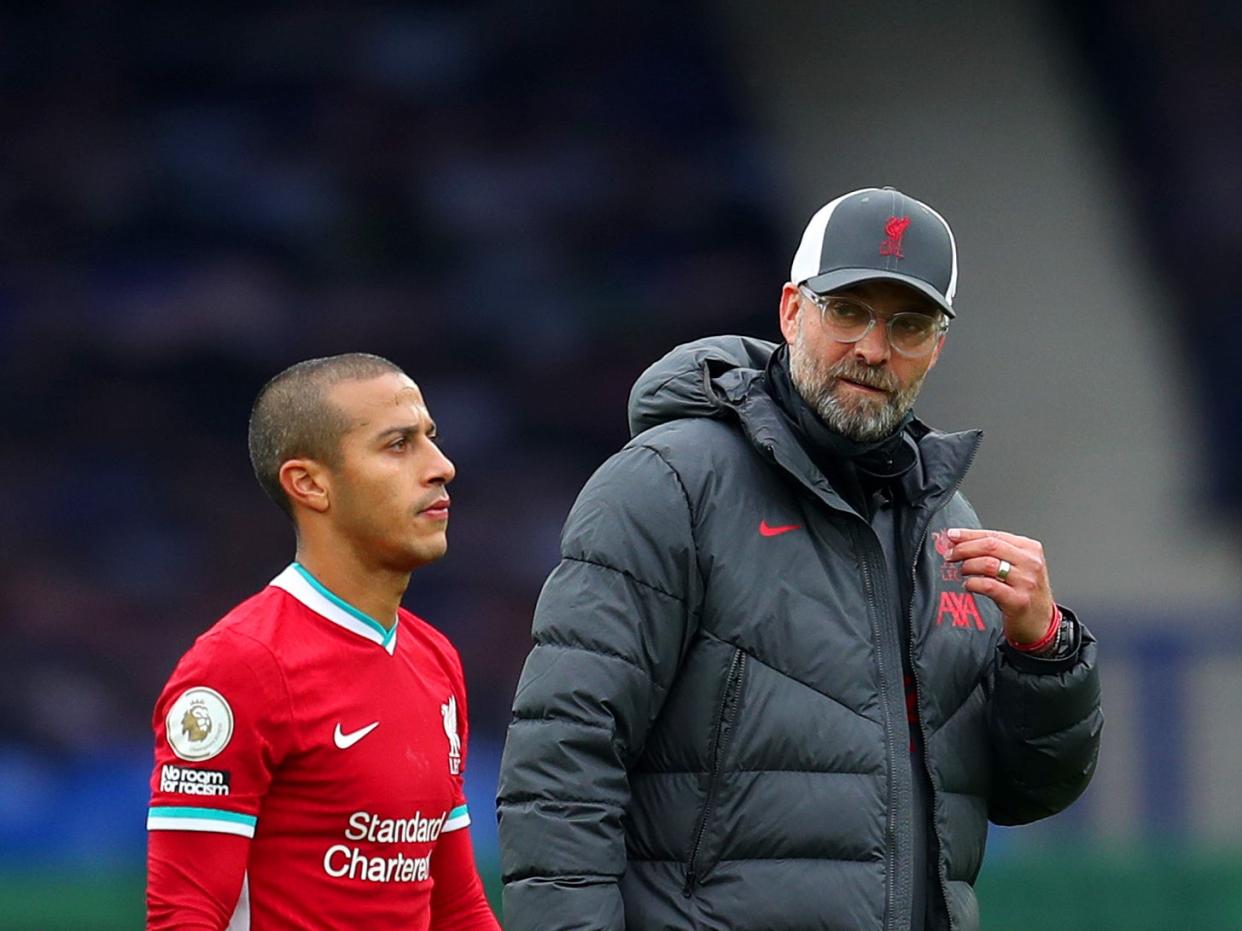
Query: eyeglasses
x=848, y=320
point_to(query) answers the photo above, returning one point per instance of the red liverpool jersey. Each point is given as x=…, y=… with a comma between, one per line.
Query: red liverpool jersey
x=335, y=744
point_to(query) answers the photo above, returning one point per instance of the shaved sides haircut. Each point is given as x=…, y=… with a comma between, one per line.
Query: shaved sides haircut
x=292, y=417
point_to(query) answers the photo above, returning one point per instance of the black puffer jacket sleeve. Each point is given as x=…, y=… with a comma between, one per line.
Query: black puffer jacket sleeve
x=1045, y=724
x=610, y=629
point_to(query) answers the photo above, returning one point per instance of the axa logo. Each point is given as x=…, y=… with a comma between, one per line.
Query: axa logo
x=894, y=230
x=960, y=610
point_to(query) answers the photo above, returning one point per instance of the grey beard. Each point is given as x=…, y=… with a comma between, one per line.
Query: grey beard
x=862, y=421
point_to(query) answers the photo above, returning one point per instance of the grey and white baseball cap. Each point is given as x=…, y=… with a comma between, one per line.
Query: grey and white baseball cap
x=878, y=234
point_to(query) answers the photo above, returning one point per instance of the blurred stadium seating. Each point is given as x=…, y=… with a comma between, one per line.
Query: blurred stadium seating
x=523, y=204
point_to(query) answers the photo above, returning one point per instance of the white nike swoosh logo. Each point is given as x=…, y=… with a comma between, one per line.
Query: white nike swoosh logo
x=345, y=741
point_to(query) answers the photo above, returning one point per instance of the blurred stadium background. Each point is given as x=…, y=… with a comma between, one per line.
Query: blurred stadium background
x=526, y=203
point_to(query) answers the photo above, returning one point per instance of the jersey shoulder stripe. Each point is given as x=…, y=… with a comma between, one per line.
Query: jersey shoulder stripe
x=459, y=817
x=182, y=818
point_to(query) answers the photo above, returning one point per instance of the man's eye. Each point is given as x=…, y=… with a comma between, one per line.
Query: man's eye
x=845, y=312
x=912, y=325
x=397, y=444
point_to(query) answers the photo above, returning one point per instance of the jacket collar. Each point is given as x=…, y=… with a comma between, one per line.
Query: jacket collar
x=944, y=458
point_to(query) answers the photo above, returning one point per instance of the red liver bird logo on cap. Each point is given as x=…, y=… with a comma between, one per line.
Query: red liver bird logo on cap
x=894, y=230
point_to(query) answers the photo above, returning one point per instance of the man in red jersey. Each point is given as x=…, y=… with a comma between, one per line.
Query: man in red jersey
x=309, y=748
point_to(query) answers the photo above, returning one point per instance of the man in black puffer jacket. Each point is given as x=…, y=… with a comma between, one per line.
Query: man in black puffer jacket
x=782, y=679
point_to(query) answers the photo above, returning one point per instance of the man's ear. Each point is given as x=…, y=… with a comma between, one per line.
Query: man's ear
x=791, y=303
x=306, y=483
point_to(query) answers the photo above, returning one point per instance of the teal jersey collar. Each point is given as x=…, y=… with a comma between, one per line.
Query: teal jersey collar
x=310, y=591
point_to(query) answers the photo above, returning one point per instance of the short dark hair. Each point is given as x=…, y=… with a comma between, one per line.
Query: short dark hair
x=292, y=417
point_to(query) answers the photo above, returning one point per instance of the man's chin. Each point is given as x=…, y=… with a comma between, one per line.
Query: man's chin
x=432, y=551
x=862, y=423
x=854, y=405
x=421, y=552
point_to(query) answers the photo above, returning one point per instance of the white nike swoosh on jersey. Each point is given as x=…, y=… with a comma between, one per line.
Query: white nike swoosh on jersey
x=345, y=741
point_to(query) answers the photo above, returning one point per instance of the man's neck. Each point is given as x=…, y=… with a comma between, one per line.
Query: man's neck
x=373, y=590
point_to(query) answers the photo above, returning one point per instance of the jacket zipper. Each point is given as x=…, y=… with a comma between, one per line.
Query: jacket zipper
x=914, y=670
x=890, y=859
x=724, y=728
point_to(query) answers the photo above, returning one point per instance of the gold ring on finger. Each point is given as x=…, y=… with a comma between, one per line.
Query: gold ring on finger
x=1002, y=571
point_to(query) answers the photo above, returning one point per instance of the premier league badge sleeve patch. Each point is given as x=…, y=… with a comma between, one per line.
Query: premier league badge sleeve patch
x=199, y=724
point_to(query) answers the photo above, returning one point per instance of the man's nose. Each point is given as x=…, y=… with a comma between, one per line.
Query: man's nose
x=873, y=348
x=442, y=470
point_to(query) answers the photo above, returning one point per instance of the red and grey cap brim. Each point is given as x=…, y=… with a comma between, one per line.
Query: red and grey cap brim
x=847, y=277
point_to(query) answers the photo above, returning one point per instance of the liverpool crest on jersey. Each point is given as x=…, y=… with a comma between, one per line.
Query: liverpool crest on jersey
x=449, y=712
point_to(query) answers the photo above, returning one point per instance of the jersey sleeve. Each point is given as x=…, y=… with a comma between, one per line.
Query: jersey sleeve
x=458, y=902
x=457, y=899
x=222, y=726
x=194, y=881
